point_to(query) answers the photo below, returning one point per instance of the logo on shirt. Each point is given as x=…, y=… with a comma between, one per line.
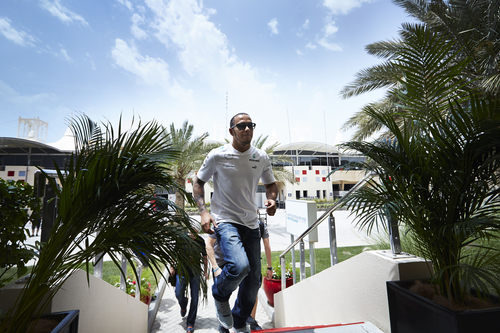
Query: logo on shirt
x=253, y=160
x=230, y=156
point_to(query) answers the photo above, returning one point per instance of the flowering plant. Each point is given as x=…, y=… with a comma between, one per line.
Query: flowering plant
x=277, y=272
x=146, y=291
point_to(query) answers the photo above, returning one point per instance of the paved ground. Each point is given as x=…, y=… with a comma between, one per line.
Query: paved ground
x=168, y=319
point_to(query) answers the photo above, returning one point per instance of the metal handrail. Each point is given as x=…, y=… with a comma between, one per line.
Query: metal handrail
x=315, y=224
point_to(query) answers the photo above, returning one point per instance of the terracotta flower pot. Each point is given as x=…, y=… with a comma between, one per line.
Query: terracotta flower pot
x=146, y=299
x=272, y=286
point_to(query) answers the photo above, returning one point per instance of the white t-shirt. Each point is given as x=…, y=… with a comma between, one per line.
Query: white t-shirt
x=236, y=176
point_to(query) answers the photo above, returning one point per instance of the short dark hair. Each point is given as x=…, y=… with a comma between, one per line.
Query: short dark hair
x=231, y=122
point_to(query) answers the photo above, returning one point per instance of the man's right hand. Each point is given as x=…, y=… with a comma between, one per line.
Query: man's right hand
x=206, y=219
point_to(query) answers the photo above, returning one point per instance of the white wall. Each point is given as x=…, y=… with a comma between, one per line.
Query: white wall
x=311, y=181
x=103, y=307
x=351, y=291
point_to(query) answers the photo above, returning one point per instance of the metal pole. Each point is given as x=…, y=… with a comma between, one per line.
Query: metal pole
x=333, y=240
x=311, y=258
x=98, y=265
x=28, y=165
x=292, y=238
x=302, y=261
x=123, y=276
x=283, y=273
x=137, y=288
x=393, y=233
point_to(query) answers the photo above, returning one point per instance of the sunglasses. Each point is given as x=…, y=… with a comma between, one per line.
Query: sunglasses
x=242, y=126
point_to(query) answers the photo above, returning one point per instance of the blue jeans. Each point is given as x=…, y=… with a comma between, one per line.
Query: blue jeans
x=241, y=249
x=180, y=294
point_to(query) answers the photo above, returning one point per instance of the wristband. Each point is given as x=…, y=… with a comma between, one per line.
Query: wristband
x=269, y=268
x=215, y=269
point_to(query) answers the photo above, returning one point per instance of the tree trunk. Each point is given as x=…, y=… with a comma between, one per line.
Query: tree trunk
x=179, y=198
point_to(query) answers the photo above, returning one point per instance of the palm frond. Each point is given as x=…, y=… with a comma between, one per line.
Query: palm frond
x=102, y=209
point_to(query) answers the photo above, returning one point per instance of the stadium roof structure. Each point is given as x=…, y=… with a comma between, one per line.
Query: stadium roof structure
x=305, y=148
x=18, y=146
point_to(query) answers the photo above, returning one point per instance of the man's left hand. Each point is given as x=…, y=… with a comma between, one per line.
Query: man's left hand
x=270, y=206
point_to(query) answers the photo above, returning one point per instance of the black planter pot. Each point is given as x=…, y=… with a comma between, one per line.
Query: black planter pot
x=412, y=313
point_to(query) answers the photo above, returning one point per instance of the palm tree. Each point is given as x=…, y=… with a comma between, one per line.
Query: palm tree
x=102, y=209
x=473, y=26
x=192, y=151
x=437, y=167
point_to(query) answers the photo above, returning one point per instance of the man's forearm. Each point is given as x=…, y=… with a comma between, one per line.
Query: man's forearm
x=272, y=191
x=210, y=251
x=199, y=194
x=267, y=249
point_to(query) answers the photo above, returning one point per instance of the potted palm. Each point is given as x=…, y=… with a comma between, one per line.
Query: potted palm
x=437, y=169
x=102, y=209
x=273, y=285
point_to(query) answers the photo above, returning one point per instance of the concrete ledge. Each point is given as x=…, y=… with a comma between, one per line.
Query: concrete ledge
x=103, y=307
x=351, y=291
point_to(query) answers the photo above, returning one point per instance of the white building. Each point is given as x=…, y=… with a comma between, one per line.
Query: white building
x=318, y=170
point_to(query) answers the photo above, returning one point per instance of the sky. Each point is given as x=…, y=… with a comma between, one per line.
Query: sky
x=284, y=62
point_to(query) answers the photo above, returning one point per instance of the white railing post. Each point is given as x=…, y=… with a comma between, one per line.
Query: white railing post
x=333, y=240
x=292, y=238
x=302, y=261
x=311, y=258
x=283, y=273
x=98, y=265
x=137, y=288
x=123, y=276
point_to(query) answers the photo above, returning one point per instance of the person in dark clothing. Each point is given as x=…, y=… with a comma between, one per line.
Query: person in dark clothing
x=194, y=286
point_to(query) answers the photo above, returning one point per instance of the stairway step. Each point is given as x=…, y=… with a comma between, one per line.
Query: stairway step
x=361, y=327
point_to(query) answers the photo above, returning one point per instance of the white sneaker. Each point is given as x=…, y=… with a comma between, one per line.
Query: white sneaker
x=224, y=314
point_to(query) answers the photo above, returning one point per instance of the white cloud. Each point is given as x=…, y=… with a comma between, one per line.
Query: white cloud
x=343, y=7
x=17, y=36
x=55, y=8
x=136, y=30
x=299, y=52
x=153, y=71
x=336, y=7
x=329, y=30
x=273, y=26
x=206, y=56
x=126, y=3
x=311, y=46
x=329, y=45
x=203, y=50
x=305, y=25
x=64, y=54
